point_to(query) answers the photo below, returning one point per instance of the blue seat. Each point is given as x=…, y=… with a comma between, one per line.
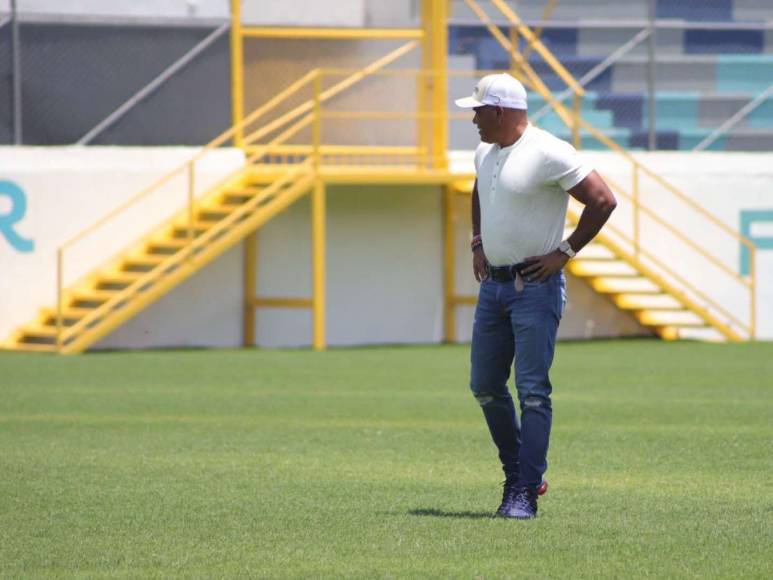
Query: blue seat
x=665, y=140
x=762, y=116
x=744, y=73
x=689, y=138
x=674, y=111
x=701, y=10
x=626, y=108
x=724, y=41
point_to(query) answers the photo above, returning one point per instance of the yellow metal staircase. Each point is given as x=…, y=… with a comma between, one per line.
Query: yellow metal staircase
x=139, y=276
x=649, y=297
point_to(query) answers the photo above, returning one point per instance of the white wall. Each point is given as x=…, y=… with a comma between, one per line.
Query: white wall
x=68, y=189
x=384, y=250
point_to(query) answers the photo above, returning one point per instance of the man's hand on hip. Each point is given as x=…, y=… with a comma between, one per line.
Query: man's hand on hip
x=544, y=266
x=479, y=264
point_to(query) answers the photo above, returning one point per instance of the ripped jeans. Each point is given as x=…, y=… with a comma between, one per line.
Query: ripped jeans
x=517, y=325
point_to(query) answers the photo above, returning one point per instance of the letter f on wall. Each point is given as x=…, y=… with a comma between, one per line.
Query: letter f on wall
x=18, y=209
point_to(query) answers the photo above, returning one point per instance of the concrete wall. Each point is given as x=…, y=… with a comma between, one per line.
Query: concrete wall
x=384, y=249
x=48, y=195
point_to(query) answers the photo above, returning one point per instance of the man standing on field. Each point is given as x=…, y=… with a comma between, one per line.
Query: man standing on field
x=519, y=206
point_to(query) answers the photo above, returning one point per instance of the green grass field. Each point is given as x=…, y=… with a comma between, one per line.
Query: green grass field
x=377, y=463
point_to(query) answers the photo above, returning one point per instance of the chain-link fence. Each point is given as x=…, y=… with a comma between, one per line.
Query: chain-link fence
x=6, y=79
x=665, y=74
x=74, y=75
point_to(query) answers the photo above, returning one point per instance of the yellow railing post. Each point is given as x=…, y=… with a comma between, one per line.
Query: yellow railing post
x=59, y=298
x=449, y=263
x=318, y=218
x=318, y=234
x=440, y=83
x=237, y=70
x=635, y=201
x=424, y=85
x=191, y=188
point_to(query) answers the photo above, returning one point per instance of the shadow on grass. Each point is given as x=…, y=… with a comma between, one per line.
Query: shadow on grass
x=435, y=513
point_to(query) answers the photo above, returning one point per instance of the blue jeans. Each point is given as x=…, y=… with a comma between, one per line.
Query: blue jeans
x=517, y=325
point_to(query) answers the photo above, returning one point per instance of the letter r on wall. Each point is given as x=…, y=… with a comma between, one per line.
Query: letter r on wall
x=18, y=209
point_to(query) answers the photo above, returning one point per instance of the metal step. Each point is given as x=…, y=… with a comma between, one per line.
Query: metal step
x=591, y=268
x=239, y=196
x=117, y=280
x=166, y=247
x=632, y=301
x=143, y=263
x=676, y=318
x=39, y=335
x=615, y=285
x=213, y=214
x=70, y=316
x=93, y=297
x=31, y=347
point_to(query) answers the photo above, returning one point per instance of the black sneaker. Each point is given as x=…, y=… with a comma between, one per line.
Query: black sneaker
x=509, y=492
x=508, y=495
x=524, y=504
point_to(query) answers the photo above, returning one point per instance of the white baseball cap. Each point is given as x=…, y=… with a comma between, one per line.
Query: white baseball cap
x=499, y=90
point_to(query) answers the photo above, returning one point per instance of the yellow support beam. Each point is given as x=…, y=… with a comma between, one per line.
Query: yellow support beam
x=334, y=33
x=439, y=42
x=318, y=235
x=272, y=302
x=250, y=287
x=449, y=266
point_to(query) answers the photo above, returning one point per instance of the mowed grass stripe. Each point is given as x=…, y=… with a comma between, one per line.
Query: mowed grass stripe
x=377, y=463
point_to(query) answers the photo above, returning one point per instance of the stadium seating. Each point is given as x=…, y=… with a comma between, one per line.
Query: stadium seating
x=712, y=58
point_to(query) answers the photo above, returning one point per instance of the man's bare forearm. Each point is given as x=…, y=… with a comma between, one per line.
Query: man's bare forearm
x=599, y=204
x=591, y=221
x=475, y=210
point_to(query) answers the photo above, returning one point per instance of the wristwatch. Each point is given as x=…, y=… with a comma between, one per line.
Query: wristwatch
x=566, y=248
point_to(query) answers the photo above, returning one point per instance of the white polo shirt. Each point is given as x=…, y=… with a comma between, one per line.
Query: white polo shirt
x=522, y=191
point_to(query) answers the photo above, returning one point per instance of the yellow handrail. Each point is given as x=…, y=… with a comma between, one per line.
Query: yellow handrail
x=173, y=259
x=334, y=33
x=332, y=91
x=537, y=44
x=533, y=80
x=216, y=142
x=638, y=206
x=548, y=12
